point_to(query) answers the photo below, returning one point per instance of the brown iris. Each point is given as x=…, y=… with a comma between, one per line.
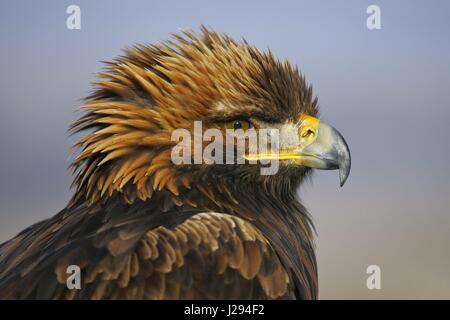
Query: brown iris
x=238, y=124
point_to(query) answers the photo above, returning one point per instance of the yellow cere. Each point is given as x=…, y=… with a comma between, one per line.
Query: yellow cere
x=308, y=130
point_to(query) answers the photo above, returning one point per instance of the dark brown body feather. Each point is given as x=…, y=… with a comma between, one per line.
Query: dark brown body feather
x=143, y=251
x=140, y=228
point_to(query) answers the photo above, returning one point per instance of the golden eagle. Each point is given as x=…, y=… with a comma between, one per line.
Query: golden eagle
x=139, y=226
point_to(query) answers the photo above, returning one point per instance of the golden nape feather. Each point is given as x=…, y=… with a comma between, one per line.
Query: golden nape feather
x=140, y=226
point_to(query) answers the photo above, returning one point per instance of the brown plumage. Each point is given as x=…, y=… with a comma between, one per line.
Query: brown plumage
x=140, y=227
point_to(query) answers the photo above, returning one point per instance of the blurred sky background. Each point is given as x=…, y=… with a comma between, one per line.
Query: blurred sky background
x=387, y=91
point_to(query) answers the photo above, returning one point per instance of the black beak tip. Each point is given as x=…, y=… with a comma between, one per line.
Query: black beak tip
x=342, y=181
x=344, y=171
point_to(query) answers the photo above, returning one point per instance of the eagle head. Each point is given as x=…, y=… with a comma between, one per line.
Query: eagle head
x=199, y=83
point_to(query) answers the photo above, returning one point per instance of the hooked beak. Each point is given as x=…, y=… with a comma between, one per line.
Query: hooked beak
x=320, y=146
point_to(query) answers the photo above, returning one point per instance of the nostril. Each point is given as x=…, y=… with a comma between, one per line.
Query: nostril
x=307, y=133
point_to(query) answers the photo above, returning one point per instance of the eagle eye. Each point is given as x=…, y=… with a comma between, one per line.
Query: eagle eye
x=238, y=124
